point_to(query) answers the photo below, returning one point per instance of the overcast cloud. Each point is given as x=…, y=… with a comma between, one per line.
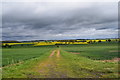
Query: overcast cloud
x=59, y=20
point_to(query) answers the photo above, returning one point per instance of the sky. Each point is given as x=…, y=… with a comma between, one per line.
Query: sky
x=59, y=20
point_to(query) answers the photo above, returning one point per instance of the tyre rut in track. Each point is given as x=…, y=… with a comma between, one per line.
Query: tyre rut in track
x=50, y=68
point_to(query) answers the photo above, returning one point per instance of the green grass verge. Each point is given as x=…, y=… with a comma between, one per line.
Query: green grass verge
x=82, y=67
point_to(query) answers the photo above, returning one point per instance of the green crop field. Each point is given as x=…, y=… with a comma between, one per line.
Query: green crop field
x=65, y=61
x=18, y=54
x=95, y=51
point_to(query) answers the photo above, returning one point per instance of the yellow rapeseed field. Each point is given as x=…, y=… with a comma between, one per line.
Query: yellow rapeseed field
x=59, y=42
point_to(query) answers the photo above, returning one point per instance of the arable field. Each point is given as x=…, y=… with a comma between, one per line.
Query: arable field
x=95, y=51
x=18, y=54
x=96, y=60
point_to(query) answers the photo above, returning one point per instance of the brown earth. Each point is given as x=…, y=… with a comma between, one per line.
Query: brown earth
x=113, y=60
x=58, y=53
x=52, y=53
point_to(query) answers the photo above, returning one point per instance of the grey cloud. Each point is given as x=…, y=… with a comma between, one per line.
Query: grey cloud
x=45, y=21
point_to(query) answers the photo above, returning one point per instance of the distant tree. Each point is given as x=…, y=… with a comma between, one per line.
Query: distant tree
x=99, y=41
x=84, y=40
x=109, y=40
x=6, y=45
x=88, y=42
x=9, y=46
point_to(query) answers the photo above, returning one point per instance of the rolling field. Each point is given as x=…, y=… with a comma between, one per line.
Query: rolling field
x=65, y=61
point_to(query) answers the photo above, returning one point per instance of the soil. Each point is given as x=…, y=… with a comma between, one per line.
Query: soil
x=58, y=53
x=113, y=60
x=52, y=53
